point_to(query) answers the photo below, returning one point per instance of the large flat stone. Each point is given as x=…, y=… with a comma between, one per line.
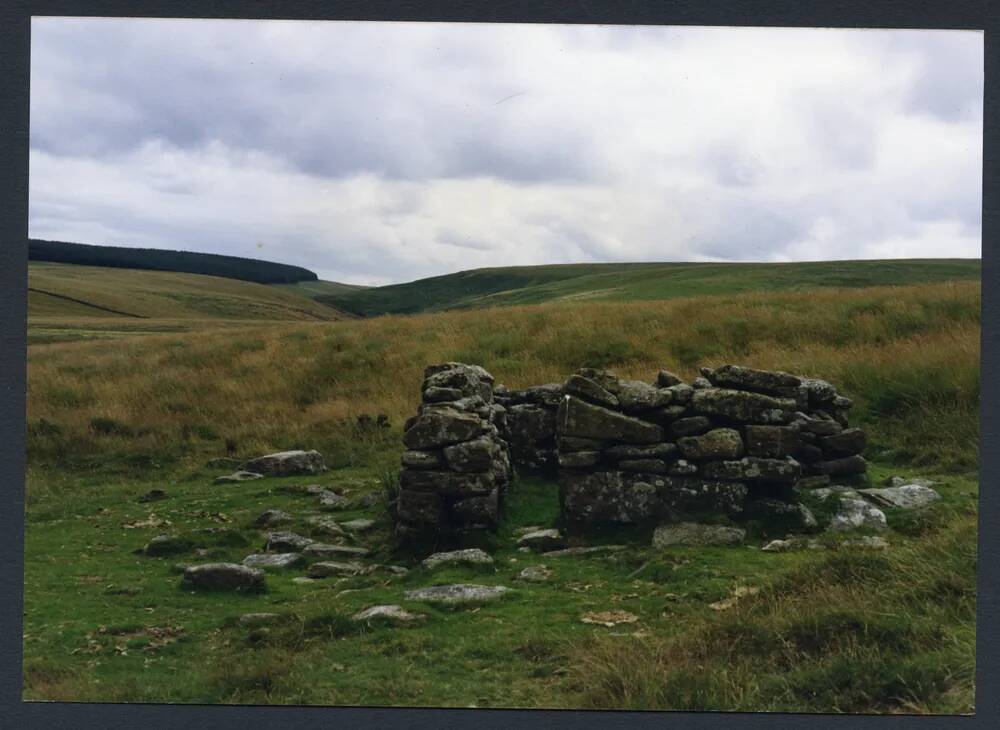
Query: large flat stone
x=459, y=594
x=908, y=496
x=287, y=463
x=223, y=577
x=585, y=420
x=441, y=428
x=692, y=533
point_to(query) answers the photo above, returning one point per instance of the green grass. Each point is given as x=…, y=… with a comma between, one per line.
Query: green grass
x=315, y=289
x=69, y=291
x=631, y=282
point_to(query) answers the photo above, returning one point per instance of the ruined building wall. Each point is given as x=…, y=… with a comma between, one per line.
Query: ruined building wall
x=737, y=442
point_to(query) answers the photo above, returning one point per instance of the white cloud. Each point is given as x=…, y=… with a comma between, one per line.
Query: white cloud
x=386, y=152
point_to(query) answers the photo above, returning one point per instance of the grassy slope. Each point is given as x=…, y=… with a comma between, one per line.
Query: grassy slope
x=314, y=289
x=625, y=282
x=160, y=295
x=837, y=630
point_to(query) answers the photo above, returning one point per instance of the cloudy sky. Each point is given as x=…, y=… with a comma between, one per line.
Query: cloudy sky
x=384, y=152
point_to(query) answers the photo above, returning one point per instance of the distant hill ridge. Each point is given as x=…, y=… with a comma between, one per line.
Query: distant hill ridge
x=154, y=259
x=637, y=281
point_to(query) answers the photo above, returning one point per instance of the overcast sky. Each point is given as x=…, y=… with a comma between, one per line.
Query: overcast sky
x=384, y=152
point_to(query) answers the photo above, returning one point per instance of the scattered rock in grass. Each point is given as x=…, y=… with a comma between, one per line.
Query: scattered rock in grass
x=458, y=594
x=379, y=568
x=324, y=549
x=358, y=525
x=542, y=540
x=286, y=542
x=906, y=496
x=153, y=495
x=898, y=481
x=166, y=545
x=609, y=618
x=223, y=577
x=272, y=517
x=591, y=550
x=272, y=560
x=692, y=533
x=874, y=542
x=738, y=593
x=330, y=568
x=857, y=514
x=332, y=501
x=260, y=619
x=472, y=556
x=778, y=546
x=535, y=574
x=392, y=614
x=327, y=526
x=287, y=463
x=151, y=521
x=316, y=489
x=824, y=493
x=239, y=476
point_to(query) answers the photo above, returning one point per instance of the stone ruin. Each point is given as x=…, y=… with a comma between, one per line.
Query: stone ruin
x=457, y=466
x=736, y=442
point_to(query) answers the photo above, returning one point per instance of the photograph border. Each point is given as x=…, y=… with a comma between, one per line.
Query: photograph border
x=14, y=126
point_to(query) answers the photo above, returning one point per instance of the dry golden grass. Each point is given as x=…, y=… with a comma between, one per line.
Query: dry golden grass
x=908, y=355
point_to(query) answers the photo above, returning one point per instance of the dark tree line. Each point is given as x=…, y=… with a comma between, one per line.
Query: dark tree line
x=154, y=259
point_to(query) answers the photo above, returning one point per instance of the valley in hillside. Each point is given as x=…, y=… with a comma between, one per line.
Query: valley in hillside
x=506, y=286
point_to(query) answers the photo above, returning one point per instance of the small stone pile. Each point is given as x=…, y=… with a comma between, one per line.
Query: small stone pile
x=456, y=467
x=736, y=441
x=530, y=426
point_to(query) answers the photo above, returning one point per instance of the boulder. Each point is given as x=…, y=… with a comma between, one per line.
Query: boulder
x=653, y=451
x=772, y=442
x=760, y=381
x=471, y=557
x=534, y=574
x=590, y=391
x=321, y=549
x=459, y=594
x=272, y=517
x=223, y=577
x=754, y=469
x=719, y=443
x=327, y=526
x=442, y=428
x=665, y=379
x=692, y=533
x=591, y=550
x=332, y=502
x=542, y=540
x=286, y=542
x=643, y=466
x=908, y=496
x=847, y=442
x=635, y=396
x=267, y=561
x=422, y=459
x=897, y=481
x=474, y=456
x=447, y=483
x=691, y=426
x=579, y=418
x=287, y=463
x=389, y=613
x=820, y=392
x=361, y=524
x=162, y=545
x=742, y=406
x=855, y=514
x=331, y=568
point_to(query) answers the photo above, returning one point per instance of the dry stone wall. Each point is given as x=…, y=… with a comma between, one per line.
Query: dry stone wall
x=456, y=467
x=735, y=442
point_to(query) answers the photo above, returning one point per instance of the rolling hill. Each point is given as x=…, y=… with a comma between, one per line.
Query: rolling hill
x=638, y=281
x=70, y=291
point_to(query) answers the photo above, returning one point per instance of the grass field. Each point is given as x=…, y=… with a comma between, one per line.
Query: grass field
x=319, y=288
x=838, y=630
x=631, y=282
x=65, y=291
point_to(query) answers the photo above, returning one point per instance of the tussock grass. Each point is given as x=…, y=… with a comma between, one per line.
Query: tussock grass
x=178, y=397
